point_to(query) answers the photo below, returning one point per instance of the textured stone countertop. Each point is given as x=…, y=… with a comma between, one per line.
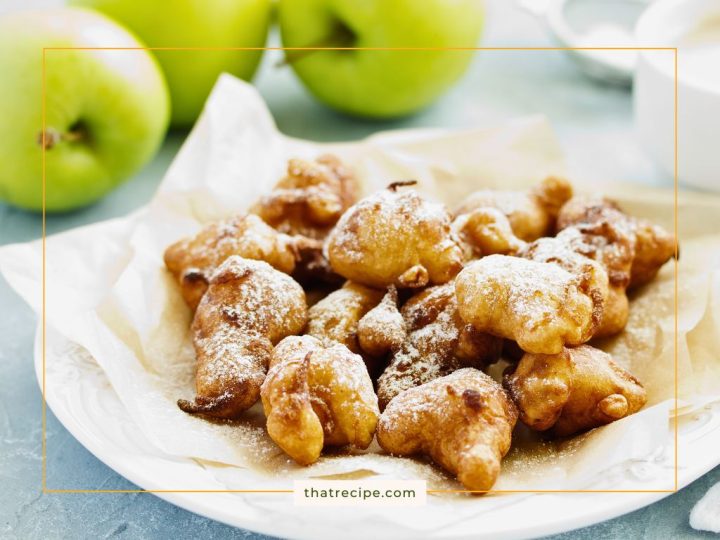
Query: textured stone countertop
x=594, y=124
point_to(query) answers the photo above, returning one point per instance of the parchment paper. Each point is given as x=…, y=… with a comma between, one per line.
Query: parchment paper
x=107, y=290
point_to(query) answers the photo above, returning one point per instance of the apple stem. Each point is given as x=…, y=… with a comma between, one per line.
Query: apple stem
x=51, y=136
x=341, y=37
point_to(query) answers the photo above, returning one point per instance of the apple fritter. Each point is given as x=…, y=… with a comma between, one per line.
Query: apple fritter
x=532, y=213
x=486, y=231
x=336, y=317
x=248, y=307
x=382, y=329
x=193, y=260
x=612, y=244
x=575, y=390
x=438, y=342
x=395, y=238
x=311, y=197
x=463, y=421
x=568, y=250
x=317, y=395
x=653, y=246
x=539, y=305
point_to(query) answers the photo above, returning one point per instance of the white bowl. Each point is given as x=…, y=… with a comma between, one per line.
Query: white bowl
x=677, y=23
x=594, y=23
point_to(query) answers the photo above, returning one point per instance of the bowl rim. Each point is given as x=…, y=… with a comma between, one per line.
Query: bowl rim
x=670, y=19
x=559, y=25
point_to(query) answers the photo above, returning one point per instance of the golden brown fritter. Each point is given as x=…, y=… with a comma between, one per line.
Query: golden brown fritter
x=382, y=329
x=532, y=214
x=652, y=245
x=438, y=343
x=566, y=251
x=613, y=245
x=193, y=260
x=486, y=231
x=540, y=305
x=336, y=317
x=317, y=395
x=605, y=234
x=395, y=238
x=310, y=199
x=463, y=421
x=578, y=389
x=249, y=306
x=615, y=313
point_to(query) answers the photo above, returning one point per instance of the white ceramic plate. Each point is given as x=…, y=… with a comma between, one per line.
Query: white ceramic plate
x=81, y=397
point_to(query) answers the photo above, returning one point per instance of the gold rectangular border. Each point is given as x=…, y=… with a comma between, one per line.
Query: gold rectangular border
x=45, y=489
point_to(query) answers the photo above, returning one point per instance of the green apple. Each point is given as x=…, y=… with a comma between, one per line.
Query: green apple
x=379, y=83
x=194, y=23
x=106, y=111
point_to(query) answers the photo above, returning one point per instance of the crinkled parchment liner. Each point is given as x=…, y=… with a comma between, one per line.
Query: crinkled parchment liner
x=107, y=290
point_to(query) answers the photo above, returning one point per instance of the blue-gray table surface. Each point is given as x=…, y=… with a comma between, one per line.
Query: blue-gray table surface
x=594, y=125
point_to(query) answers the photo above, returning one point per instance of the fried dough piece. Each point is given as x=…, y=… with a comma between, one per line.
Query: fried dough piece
x=610, y=243
x=193, y=260
x=540, y=305
x=336, y=317
x=360, y=318
x=249, y=306
x=532, y=214
x=615, y=313
x=394, y=238
x=613, y=245
x=317, y=395
x=653, y=246
x=486, y=231
x=578, y=389
x=310, y=199
x=438, y=343
x=565, y=250
x=463, y=421
x=382, y=329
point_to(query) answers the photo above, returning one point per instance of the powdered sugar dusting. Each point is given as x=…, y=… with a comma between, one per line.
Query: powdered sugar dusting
x=389, y=233
x=539, y=305
x=249, y=307
x=400, y=213
x=426, y=354
x=431, y=348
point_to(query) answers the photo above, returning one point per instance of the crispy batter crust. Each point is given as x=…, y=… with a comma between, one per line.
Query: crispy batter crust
x=531, y=214
x=567, y=253
x=539, y=305
x=382, y=329
x=248, y=307
x=653, y=246
x=578, y=389
x=486, y=231
x=193, y=260
x=463, y=421
x=336, y=317
x=395, y=238
x=317, y=395
x=438, y=342
x=310, y=198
